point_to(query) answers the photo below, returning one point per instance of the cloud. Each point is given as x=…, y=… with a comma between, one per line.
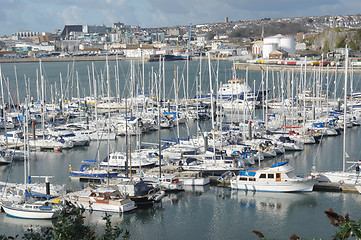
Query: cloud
x=72, y=15
x=9, y=9
x=45, y=15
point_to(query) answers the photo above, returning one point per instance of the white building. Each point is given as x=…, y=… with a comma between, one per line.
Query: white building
x=139, y=52
x=280, y=42
x=301, y=46
x=25, y=34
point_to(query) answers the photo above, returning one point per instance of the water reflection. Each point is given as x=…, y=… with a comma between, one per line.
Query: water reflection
x=27, y=223
x=11, y=226
x=197, y=190
x=273, y=203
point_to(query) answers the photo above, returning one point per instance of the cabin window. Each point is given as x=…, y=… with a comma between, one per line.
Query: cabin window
x=263, y=175
x=278, y=177
x=242, y=179
x=251, y=179
x=291, y=174
x=271, y=175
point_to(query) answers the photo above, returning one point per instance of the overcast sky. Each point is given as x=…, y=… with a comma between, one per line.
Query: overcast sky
x=48, y=15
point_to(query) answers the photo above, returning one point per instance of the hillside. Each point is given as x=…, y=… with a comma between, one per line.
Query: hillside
x=333, y=38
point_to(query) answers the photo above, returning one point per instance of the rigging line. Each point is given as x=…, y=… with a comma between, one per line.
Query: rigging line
x=11, y=164
x=314, y=159
x=11, y=87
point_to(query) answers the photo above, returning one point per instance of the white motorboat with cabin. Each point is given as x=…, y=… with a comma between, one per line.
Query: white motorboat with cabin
x=102, y=199
x=278, y=178
x=117, y=160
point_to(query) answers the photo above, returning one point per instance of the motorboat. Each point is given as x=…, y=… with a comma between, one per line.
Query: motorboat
x=280, y=177
x=117, y=160
x=102, y=199
x=68, y=134
x=141, y=191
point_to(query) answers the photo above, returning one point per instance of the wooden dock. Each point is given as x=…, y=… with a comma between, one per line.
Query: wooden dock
x=334, y=187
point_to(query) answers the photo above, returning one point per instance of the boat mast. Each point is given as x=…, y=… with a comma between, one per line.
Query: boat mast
x=3, y=107
x=344, y=114
x=159, y=135
x=17, y=89
x=212, y=106
x=26, y=165
x=108, y=132
x=42, y=100
x=266, y=100
x=96, y=109
x=176, y=91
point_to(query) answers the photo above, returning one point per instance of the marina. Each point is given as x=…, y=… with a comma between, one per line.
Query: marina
x=190, y=133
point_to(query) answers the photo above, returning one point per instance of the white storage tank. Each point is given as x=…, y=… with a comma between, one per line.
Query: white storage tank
x=268, y=48
x=274, y=39
x=288, y=44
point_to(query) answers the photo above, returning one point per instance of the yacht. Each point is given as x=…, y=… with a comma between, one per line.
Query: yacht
x=102, y=199
x=278, y=178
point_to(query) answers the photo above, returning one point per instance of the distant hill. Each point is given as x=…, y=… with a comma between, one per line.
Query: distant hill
x=269, y=30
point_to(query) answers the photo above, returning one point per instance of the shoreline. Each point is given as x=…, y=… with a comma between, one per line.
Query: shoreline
x=238, y=66
x=297, y=68
x=61, y=59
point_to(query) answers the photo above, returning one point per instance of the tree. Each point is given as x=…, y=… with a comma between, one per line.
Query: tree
x=347, y=228
x=71, y=226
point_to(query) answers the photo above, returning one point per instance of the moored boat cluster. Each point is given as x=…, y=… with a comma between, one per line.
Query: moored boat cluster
x=247, y=127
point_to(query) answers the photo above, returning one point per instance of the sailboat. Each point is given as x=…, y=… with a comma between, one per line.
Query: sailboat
x=31, y=209
x=36, y=210
x=87, y=171
x=346, y=176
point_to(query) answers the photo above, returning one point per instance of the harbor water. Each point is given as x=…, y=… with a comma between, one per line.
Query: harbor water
x=209, y=212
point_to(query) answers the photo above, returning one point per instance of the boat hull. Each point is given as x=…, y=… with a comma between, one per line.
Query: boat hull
x=340, y=177
x=81, y=174
x=17, y=212
x=195, y=181
x=268, y=186
x=104, y=207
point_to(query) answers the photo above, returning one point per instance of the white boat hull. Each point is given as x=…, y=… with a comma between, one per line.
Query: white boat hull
x=15, y=211
x=103, y=207
x=195, y=181
x=269, y=186
x=340, y=177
